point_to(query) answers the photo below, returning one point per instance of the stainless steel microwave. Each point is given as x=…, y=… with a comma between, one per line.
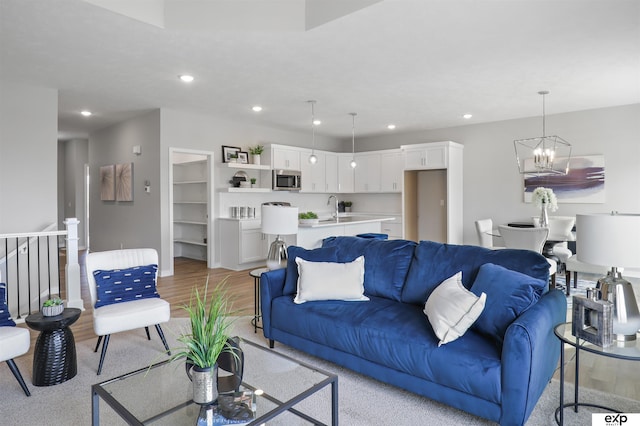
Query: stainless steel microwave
x=286, y=180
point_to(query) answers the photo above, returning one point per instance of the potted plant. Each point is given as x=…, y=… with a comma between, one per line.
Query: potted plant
x=255, y=152
x=253, y=181
x=233, y=158
x=209, y=316
x=308, y=218
x=52, y=307
x=347, y=206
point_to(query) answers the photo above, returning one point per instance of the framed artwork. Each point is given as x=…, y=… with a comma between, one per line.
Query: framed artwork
x=107, y=183
x=124, y=182
x=583, y=184
x=228, y=151
x=243, y=157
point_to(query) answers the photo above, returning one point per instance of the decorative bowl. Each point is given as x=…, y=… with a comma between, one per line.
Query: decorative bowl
x=52, y=311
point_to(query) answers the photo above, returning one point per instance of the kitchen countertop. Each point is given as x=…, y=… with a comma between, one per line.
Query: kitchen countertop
x=346, y=220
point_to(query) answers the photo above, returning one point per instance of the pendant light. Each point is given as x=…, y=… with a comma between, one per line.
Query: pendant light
x=353, y=139
x=544, y=154
x=312, y=158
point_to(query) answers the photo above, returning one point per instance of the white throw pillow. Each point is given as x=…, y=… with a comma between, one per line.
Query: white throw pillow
x=330, y=281
x=451, y=309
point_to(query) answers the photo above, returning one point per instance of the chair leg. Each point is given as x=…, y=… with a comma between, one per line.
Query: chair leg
x=575, y=279
x=148, y=335
x=164, y=341
x=104, y=352
x=14, y=369
x=98, y=345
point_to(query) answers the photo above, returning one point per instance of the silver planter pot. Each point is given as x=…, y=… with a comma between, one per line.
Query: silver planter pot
x=205, y=384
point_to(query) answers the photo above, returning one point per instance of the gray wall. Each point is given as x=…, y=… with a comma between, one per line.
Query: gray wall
x=72, y=156
x=28, y=135
x=492, y=184
x=130, y=224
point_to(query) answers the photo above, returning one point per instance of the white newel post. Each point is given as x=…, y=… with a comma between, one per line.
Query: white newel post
x=72, y=269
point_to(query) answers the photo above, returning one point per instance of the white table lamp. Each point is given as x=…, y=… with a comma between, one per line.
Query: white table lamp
x=278, y=220
x=613, y=240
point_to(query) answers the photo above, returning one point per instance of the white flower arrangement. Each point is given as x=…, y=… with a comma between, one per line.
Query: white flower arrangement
x=546, y=196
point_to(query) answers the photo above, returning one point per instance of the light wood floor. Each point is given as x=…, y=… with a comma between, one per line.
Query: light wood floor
x=619, y=377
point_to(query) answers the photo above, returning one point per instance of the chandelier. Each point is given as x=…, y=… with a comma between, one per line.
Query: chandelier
x=543, y=154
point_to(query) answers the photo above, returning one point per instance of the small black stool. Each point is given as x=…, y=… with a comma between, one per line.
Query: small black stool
x=54, y=357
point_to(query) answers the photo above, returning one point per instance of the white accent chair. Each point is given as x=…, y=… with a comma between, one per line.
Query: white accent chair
x=130, y=315
x=14, y=342
x=529, y=239
x=484, y=228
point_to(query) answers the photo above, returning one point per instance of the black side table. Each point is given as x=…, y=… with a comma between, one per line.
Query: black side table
x=256, y=273
x=54, y=357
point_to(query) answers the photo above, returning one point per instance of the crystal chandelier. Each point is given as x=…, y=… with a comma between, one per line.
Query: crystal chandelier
x=544, y=154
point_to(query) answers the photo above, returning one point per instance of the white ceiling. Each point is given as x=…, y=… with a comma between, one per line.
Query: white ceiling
x=418, y=64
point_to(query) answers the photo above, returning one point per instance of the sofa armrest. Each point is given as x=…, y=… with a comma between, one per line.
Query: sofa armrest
x=271, y=286
x=530, y=356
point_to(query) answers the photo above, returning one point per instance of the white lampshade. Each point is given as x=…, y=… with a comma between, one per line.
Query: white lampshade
x=279, y=220
x=608, y=239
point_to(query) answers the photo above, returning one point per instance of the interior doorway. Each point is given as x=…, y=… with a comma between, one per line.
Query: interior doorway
x=425, y=205
x=191, y=230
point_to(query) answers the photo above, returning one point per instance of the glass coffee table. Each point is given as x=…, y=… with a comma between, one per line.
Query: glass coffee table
x=161, y=394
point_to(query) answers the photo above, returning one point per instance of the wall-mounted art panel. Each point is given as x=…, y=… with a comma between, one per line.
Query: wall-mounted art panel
x=107, y=183
x=124, y=182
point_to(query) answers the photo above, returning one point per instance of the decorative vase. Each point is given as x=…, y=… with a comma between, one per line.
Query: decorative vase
x=52, y=311
x=255, y=159
x=544, y=216
x=205, y=383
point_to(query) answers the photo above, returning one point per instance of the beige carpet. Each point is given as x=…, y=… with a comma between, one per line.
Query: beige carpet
x=363, y=401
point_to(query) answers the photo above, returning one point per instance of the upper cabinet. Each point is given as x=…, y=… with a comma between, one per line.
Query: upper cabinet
x=426, y=156
x=367, y=172
x=313, y=175
x=345, y=174
x=284, y=157
x=391, y=170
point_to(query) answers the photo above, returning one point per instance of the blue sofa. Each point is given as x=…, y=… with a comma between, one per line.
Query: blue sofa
x=497, y=375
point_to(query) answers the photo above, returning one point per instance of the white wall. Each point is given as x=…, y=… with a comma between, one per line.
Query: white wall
x=492, y=184
x=28, y=135
x=72, y=156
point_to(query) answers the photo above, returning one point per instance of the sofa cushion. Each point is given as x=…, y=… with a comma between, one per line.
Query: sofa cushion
x=377, y=329
x=328, y=254
x=5, y=316
x=125, y=285
x=509, y=294
x=452, y=309
x=386, y=262
x=434, y=262
x=330, y=281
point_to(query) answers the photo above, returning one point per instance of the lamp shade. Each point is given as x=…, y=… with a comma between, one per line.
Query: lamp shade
x=279, y=220
x=611, y=240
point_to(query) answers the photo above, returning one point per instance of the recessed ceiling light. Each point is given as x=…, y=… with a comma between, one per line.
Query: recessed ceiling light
x=257, y=108
x=317, y=122
x=391, y=126
x=467, y=116
x=186, y=78
x=86, y=113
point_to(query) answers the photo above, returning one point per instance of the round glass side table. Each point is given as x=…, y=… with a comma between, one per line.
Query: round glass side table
x=629, y=350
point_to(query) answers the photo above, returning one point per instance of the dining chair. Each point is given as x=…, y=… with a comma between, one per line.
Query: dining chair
x=122, y=284
x=484, y=227
x=529, y=239
x=559, y=226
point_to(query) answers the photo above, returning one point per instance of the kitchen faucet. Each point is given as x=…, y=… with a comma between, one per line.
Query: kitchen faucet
x=335, y=214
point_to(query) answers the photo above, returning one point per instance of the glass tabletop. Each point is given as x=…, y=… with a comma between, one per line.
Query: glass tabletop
x=624, y=350
x=162, y=393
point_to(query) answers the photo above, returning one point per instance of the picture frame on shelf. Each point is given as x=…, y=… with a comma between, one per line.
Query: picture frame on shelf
x=228, y=152
x=243, y=157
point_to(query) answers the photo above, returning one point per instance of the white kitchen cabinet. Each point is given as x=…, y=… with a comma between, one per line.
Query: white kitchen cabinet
x=367, y=172
x=426, y=156
x=391, y=171
x=287, y=158
x=345, y=174
x=313, y=175
x=190, y=210
x=331, y=172
x=243, y=243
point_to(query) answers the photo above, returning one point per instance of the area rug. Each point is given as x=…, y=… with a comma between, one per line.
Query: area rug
x=362, y=401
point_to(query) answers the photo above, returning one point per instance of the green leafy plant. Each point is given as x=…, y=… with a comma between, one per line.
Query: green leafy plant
x=56, y=301
x=253, y=181
x=307, y=215
x=210, y=317
x=348, y=203
x=256, y=150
